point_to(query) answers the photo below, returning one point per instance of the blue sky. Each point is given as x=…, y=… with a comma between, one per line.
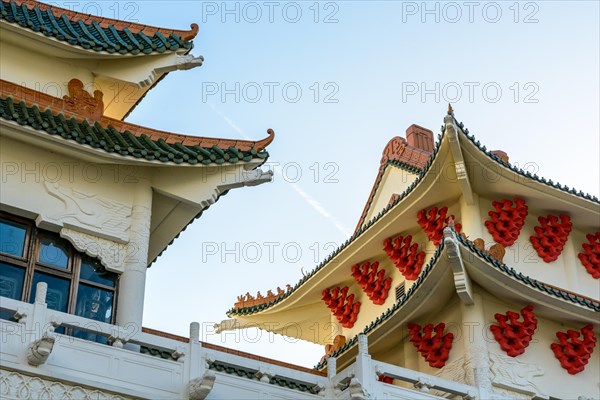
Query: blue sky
x=346, y=77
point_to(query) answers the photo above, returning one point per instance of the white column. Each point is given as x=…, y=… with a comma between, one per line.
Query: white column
x=364, y=369
x=477, y=357
x=132, y=283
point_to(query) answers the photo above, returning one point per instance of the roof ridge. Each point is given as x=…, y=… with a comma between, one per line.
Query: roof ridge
x=134, y=27
x=520, y=171
x=423, y=172
x=57, y=105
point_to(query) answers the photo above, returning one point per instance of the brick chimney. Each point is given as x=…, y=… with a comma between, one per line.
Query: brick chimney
x=419, y=137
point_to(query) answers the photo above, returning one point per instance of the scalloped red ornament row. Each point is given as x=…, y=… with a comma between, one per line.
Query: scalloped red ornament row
x=551, y=234
x=572, y=352
x=433, y=222
x=513, y=336
x=590, y=256
x=405, y=255
x=433, y=344
x=506, y=222
x=372, y=280
x=342, y=305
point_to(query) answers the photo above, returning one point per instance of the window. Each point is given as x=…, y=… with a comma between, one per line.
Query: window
x=77, y=284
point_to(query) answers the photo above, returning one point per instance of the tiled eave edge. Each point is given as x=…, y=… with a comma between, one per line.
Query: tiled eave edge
x=120, y=141
x=526, y=174
x=93, y=33
x=524, y=279
x=390, y=311
x=421, y=175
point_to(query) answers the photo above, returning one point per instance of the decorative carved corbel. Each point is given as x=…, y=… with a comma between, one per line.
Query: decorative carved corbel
x=178, y=354
x=357, y=391
x=199, y=388
x=188, y=61
x=39, y=351
x=462, y=282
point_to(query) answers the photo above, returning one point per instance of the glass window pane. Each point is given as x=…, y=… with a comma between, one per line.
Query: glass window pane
x=92, y=270
x=11, y=281
x=94, y=303
x=54, y=251
x=58, y=291
x=12, y=237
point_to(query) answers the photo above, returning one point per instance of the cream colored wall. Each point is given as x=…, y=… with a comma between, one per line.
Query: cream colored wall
x=36, y=71
x=66, y=191
x=566, y=272
x=405, y=354
x=123, y=80
x=535, y=371
x=538, y=369
x=369, y=311
x=395, y=180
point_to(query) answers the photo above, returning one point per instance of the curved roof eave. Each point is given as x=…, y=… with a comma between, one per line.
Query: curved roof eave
x=423, y=174
x=563, y=189
x=93, y=33
x=587, y=310
x=109, y=138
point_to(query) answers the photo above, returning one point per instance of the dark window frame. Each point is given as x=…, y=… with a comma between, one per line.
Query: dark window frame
x=29, y=262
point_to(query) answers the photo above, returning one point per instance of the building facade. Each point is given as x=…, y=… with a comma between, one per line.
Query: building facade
x=465, y=278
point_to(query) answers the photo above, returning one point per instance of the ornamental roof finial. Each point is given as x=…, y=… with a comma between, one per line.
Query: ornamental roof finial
x=450, y=110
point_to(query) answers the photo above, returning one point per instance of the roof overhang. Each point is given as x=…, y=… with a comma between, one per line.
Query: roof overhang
x=437, y=290
x=365, y=245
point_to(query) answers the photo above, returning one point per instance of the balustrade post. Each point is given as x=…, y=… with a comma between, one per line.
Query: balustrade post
x=365, y=374
x=36, y=325
x=195, y=362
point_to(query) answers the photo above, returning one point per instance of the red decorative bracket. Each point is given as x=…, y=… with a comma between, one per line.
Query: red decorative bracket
x=513, y=335
x=405, y=255
x=434, y=221
x=507, y=220
x=342, y=305
x=551, y=236
x=590, y=257
x=572, y=352
x=372, y=280
x=434, y=348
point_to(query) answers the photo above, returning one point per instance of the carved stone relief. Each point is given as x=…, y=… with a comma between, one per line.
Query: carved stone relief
x=16, y=386
x=100, y=215
x=111, y=254
x=512, y=374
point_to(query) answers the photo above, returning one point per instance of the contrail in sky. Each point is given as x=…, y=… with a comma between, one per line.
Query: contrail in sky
x=305, y=196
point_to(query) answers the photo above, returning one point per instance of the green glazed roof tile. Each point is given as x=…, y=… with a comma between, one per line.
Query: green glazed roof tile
x=123, y=143
x=88, y=35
